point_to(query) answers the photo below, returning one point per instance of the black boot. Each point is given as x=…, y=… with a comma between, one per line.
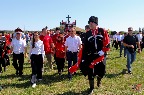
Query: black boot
x=91, y=83
x=98, y=81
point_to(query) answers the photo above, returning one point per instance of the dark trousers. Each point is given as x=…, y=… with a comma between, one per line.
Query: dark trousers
x=37, y=65
x=60, y=63
x=18, y=65
x=114, y=43
x=71, y=56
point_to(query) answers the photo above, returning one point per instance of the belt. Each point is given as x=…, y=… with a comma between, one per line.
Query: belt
x=71, y=51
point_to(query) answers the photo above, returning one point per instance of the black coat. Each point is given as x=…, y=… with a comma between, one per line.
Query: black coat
x=90, y=53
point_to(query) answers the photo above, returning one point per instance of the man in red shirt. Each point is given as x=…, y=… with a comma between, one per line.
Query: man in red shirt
x=55, y=36
x=48, y=47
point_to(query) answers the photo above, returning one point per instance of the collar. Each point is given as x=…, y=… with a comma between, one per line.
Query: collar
x=95, y=31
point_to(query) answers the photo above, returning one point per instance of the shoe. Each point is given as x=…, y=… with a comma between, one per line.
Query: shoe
x=34, y=85
x=20, y=73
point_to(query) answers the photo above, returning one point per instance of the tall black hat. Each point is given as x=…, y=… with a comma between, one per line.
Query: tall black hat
x=93, y=19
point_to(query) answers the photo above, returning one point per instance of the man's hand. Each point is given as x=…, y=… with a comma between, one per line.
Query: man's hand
x=101, y=53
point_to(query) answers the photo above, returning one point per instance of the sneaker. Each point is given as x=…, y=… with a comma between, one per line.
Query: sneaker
x=33, y=79
x=34, y=85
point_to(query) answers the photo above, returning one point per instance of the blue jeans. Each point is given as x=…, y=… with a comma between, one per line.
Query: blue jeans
x=71, y=56
x=130, y=59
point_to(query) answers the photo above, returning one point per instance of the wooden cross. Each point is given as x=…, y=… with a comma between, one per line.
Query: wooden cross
x=68, y=19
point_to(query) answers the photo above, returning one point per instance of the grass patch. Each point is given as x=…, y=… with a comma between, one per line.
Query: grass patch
x=115, y=81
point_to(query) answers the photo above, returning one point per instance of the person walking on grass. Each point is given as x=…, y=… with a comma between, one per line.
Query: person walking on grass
x=131, y=43
x=37, y=58
x=60, y=54
x=18, y=47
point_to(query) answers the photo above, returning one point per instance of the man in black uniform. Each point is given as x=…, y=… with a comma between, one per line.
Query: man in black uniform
x=95, y=46
x=2, y=49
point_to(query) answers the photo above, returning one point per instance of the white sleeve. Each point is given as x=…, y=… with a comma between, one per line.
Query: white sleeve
x=24, y=43
x=79, y=41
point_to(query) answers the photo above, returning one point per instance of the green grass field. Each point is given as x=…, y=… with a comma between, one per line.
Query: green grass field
x=115, y=81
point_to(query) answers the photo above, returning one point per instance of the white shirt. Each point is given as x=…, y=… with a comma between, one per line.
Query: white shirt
x=73, y=43
x=114, y=37
x=119, y=37
x=38, y=49
x=139, y=37
x=18, y=45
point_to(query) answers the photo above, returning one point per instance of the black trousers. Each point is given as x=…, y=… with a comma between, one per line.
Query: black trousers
x=60, y=63
x=18, y=65
x=71, y=56
x=114, y=43
x=118, y=44
x=37, y=65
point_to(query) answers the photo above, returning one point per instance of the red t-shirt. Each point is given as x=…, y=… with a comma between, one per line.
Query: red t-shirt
x=54, y=38
x=60, y=50
x=7, y=40
x=41, y=37
x=47, y=43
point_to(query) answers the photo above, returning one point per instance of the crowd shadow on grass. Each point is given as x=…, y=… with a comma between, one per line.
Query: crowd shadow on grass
x=17, y=85
x=24, y=80
x=75, y=93
x=50, y=79
x=115, y=75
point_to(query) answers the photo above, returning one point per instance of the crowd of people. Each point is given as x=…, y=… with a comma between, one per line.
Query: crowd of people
x=86, y=51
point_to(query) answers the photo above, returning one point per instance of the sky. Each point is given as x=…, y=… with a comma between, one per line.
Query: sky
x=115, y=15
